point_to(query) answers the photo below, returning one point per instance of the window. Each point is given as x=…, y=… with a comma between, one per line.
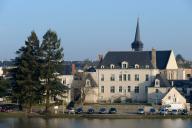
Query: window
x=112, y=77
x=112, y=89
x=136, y=89
x=157, y=91
x=129, y=77
x=120, y=89
x=147, y=66
x=102, y=77
x=157, y=83
x=124, y=77
x=188, y=75
x=64, y=81
x=146, y=77
x=136, y=77
x=102, y=89
x=129, y=89
x=88, y=82
x=102, y=66
x=120, y=77
x=136, y=66
x=124, y=64
x=112, y=66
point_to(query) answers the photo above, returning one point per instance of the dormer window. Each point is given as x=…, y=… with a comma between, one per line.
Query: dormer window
x=102, y=66
x=157, y=83
x=136, y=66
x=112, y=66
x=147, y=66
x=124, y=64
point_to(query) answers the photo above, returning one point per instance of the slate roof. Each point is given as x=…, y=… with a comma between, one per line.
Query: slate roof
x=182, y=83
x=142, y=58
x=163, y=81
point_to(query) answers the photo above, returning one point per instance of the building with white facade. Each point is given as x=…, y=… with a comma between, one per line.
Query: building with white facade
x=126, y=75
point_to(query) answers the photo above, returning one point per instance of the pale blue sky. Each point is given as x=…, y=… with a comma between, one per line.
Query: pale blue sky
x=90, y=27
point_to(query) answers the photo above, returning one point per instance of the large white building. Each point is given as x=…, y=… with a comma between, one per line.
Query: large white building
x=126, y=75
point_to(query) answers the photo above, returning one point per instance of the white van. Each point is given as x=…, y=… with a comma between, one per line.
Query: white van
x=171, y=107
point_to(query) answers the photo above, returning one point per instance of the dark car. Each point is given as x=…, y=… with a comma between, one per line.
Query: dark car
x=79, y=110
x=102, y=111
x=112, y=111
x=10, y=107
x=163, y=111
x=184, y=112
x=152, y=111
x=90, y=111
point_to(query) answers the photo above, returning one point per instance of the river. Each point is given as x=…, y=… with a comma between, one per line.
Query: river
x=93, y=123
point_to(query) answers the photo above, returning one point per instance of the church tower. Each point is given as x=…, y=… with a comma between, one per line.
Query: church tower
x=137, y=44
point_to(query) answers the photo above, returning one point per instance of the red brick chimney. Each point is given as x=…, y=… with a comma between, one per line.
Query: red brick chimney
x=73, y=69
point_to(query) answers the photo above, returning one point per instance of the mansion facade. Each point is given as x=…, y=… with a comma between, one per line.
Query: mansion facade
x=126, y=75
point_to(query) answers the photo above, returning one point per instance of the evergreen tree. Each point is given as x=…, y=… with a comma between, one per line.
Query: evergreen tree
x=5, y=86
x=27, y=87
x=51, y=57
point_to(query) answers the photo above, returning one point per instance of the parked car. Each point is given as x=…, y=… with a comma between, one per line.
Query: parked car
x=152, y=111
x=112, y=111
x=79, y=110
x=71, y=111
x=163, y=111
x=184, y=112
x=102, y=111
x=140, y=111
x=10, y=107
x=174, y=112
x=90, y=111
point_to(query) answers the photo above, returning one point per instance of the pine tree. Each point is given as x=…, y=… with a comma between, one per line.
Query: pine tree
x=5, y=86
x=51, y=57
x=27, y=87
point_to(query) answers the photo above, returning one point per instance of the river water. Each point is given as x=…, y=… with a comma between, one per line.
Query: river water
x=93, y=123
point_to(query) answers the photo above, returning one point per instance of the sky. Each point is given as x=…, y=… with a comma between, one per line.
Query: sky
x=91, y=27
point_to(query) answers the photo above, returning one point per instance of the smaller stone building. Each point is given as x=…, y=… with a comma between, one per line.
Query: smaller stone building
x=160, y=86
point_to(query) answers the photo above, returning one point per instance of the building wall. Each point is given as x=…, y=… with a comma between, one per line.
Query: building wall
x=92, y=95
x=188, y=73
x=1, y=71
x=107, y=83
x=181, y=74
x=172, y=64
x=66, y=80
x=173, y=97
x=155, y=96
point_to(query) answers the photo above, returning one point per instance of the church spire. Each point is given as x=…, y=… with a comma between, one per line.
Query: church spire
x=137, y=45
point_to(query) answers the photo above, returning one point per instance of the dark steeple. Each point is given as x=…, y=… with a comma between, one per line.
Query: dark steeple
x=137, y=45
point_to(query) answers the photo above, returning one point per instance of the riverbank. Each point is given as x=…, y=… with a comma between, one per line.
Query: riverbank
x=92, y=116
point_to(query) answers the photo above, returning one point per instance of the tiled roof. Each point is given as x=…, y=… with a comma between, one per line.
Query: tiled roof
x=163, y=81
x=142, y=58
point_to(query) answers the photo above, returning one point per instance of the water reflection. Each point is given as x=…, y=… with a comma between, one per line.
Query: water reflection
x=92, y=123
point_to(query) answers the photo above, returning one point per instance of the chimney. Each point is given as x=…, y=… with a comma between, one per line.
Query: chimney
x=73, y=69
x=153, y=58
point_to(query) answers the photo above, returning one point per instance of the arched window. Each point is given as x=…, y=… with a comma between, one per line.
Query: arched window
x=102, y=66
x=136, y=66
x=112, y=66
x=124, y=64
x=157, y=83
